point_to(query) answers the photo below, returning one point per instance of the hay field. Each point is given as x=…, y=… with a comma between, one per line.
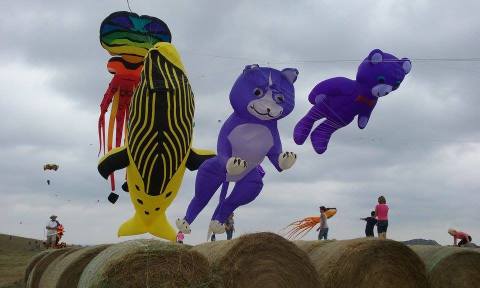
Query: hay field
x=15, y=253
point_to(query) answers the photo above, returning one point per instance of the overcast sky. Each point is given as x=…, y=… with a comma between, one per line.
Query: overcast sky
x=421, y=148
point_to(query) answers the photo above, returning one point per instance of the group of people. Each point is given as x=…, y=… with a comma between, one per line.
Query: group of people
x=229, y=229
x=379, y=217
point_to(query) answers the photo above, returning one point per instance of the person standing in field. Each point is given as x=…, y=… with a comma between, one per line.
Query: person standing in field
x=459, y=235
x=371, y=222
x=323, y=229
x=52, y=231
x=381, y=210
x=229, y=227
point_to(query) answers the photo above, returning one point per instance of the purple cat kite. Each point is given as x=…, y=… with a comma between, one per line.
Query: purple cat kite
x=340, y=99
x=260, y=97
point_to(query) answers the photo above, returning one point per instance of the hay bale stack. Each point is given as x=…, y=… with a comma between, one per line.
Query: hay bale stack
x=146, y=263
x=450, y=266
x=259, y=260
x=364, y=262
x=42, y=264
x=65, y=271
x=34, y=262
x=309, y=246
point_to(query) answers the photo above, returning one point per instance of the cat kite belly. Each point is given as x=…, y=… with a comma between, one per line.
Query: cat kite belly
x=158, y=146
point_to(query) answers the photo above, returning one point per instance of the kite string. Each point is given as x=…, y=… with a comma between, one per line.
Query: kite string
x=340, y=60
x=128, y=3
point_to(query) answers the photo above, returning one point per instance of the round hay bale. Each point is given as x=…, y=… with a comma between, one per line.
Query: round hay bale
x=146, y=263
x=450, y=266
x=41, y=265
x=366, y=262
x=65, y=271
x=309, y=246
x=259, y=260
x=34, y=262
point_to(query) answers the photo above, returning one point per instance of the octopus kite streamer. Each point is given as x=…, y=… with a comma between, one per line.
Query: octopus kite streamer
x=300, y=228
x=129, y=37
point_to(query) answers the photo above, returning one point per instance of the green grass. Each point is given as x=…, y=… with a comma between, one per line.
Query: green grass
x=15, y=253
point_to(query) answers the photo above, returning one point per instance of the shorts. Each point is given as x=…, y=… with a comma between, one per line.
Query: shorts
x=382, y=226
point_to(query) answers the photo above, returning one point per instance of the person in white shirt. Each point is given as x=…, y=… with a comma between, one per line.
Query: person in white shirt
x=323, y=224
x=52, y=231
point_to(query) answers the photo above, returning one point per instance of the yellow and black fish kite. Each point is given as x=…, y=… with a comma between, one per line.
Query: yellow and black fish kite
x=158, y=146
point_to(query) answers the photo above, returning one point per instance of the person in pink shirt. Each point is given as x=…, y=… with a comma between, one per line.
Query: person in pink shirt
x=381, y=210
x=459, y=235
x=180, y=237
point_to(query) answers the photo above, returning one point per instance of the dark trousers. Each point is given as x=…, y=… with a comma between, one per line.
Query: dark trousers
x=323, y=234
x=229, y=234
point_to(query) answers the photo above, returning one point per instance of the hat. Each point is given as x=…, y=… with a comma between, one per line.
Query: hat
x=53, y=217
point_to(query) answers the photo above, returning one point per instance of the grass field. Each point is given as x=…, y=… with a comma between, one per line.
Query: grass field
x=15, y=253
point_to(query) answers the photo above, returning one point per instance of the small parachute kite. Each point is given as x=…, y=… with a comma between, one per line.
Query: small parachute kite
x=52, y=167
x=129, y=37
x=300, y=228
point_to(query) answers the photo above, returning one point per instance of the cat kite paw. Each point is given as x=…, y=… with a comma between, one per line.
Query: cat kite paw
x=236, y=166
x=182, y=225
x=216, y=227
x=286, y=160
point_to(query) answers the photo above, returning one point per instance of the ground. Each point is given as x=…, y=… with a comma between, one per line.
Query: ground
x=15, y=253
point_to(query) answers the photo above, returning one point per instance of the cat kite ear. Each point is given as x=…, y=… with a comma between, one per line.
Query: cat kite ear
x=291, y=74
x=250, y=67
x=406, y=65
x=376, y=56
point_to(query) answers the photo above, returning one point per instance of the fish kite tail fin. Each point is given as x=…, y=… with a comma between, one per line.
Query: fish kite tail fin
x=133, y=226
x=160, y=227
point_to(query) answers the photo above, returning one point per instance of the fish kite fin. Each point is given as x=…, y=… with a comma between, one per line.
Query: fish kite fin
x=197, y=157
x=114, y=160
x=125, y=187
x=159, y=227
x=133, y=226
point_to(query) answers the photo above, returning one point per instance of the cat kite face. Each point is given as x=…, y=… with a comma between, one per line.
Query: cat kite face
x=382, y=72
x=262, y=93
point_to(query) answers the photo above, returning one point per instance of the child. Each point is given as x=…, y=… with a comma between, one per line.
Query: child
x=381, y=210
x=464, y=237
x=323, y=224
x=180, y=237
x=371, y=222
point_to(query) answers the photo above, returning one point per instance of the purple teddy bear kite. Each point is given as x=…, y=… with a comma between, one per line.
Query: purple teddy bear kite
x=260, y=97
x=340, y=99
